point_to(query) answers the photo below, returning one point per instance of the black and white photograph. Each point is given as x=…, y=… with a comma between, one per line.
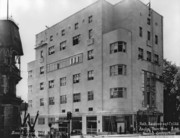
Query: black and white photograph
x=89, y=68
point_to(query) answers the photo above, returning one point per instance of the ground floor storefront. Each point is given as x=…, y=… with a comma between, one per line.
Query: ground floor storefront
x=96, y=123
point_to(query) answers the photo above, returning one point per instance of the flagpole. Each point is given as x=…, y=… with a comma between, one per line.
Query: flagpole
x=7, y=9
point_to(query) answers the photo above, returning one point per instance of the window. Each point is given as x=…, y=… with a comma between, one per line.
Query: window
x=119, y=46
x=76, y=40
x=30, y=103
x=140, y=53
x=41, y=102
x=148, y=21
x=41, y=121
x=51, y=84
x=51, y=50
x=76, y=97
x=42, y=70
x=30, y=73
x=62, y=45
x=90, y=34
x=90, y=109
x=119, y=92
x=63, y=99
x=156, y=39
x=77, y=110
x=90, y=55
x=51, y=120
x=63, y=32
x=51, y=100
x=41, y=86
x=76, y=26
x=156, y=59
x=118, y=69
x=90, y=19
x=148, y=56
x=90, y=95
x=75, y=59
x=90, y=75
x=140, y=32
x=51, y=38
x=148, y=35
x=76, y=78
x=29, y=88
x=63, y=81
x=41, y=53
x=63, y=111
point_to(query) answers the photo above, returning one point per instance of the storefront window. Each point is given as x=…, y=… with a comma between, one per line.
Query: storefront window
x=91, y=125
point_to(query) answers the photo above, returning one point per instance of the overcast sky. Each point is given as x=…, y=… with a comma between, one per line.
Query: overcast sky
x=33, y=15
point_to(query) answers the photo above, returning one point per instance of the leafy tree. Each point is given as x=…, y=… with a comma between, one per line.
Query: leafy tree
x=170, y=95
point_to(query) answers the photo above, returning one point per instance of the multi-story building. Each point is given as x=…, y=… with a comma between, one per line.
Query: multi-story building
x=103, y=64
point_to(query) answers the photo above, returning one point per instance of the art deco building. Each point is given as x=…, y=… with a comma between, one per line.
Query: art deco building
x=103, y=64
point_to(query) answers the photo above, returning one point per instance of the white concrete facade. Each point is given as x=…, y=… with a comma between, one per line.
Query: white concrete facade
x=115, y=74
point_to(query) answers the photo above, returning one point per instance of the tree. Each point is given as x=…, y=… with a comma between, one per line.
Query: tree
x=170, y=96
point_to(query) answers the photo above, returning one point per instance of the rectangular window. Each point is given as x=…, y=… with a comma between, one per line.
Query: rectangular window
x=30, y=88
x=75, y=59
x=63, y=32
x=63, y=81
x=140, y=31
x=156, y=39
x=148, y=36
x=90, y=55
x=76, y=78
x=41, y=86
x=62, y=45
x=77, y=110
x=30, y=73
x=76, y=39
x=63, y=99
x=119, y=46
x=51, y=38
x=148, y=21
x=41, y=121
x=76, y=97
x=148, y=56
x=51, y=100
x=140, y=53
x=41, y=53
x=76, y=26
x=51, y=84
x=118, y=69
x=156, y=59
x=90, y=95
x=41, y=102
x=51, y=50
x=30, y=103
x=90, y=19
x=90, y=75
x=119, y=92
x=51, y=120
x=90, y=109
x=42, y=70
x=90, y=34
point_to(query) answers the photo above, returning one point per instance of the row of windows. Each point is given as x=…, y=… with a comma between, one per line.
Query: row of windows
x=73, y=60
x=115, y=70
x=149, y=56
x=76, y=26
x=148, y=35
x=63, y=44
x=119, y=92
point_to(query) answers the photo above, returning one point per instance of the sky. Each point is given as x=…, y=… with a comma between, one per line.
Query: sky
x=33, y=15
